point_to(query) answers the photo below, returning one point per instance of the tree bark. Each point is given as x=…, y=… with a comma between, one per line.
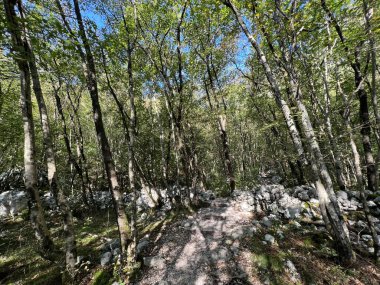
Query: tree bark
x=328, y=203
x=363, y=101
x=19, y=47
x=60, y=198
x=66, y=138
x=359, y=175
x=294, y=133
x=90, y=73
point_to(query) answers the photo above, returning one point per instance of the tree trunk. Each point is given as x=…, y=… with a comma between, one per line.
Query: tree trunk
x=60, y=198
x=326, y=195
x=131, y=149
x=328, y=203
x=222, y=125
x=337, y=158
x=359, y=175
x=90, y=73
x=294, y=133
x=363, y=101
x=37, y=218
x=79, y=140
x=72, y=159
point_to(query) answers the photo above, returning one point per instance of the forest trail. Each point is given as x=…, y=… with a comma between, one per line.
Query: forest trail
x=208, y=247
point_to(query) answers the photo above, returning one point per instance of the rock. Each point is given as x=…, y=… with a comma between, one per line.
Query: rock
x=48, y=201
x=154, y=261
x=256, y=223
x=79, y=259
x=371, y=204
x=276, y=179
x=314, y=202
x=296, y=224
x=292, y=213
x=269, y=239
x=353, y=194
x=116, y=252
x=143, y=243
x=377, y=200
x=304, y=196
x=266, y=222
x=361, y=224
x=295, y=276
x=162, y=283
x=280, y=234
x=245, y=206
x=13, y=202
x=115, y=243
x=366, y=238
x=220, y=254
x=143, y=216
x=293, y=205
x=105, y=259
x=342, y=195
x=237, y=234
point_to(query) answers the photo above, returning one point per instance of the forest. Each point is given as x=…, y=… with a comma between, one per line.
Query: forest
x=190, y=142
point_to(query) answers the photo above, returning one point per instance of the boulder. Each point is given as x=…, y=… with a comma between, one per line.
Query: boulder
x=304, y=196
x=220, y=254
x=294, y=275
x=269, y=239
x=342, y=195
x=371, y=204
x=105, y=258
x=276, y=179
x=13, y=202
x=154, y=261
x=48, y=201
x=245, y=206
x=266, y=222
x=292, y=206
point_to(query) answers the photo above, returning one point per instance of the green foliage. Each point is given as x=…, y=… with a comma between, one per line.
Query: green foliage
x=102, y=277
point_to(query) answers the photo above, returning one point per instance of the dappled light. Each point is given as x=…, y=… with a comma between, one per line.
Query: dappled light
x=189, y=142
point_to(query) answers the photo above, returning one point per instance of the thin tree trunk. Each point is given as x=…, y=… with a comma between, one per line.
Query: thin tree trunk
x=90, y=72
x=328, y=203
x=70, y=250
x=72, y=160
x=334, y=148
x=369, y=10
x=222, y=125
x=79, y=140
x=131, y=147
x=359, y=175
x=37, y=218
x=294, y=133
x=363, y=101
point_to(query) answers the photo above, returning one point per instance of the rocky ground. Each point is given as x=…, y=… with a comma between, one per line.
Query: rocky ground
x=266, y=235
x=217, y=245
x=204, y=248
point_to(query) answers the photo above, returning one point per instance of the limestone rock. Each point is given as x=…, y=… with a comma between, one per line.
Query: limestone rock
x=154, y=261
x=105, y=259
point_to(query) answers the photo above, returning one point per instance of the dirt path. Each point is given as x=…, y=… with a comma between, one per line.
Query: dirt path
x=206, y=248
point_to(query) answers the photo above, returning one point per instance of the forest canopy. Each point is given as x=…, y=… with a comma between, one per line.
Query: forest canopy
x=187, y=96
